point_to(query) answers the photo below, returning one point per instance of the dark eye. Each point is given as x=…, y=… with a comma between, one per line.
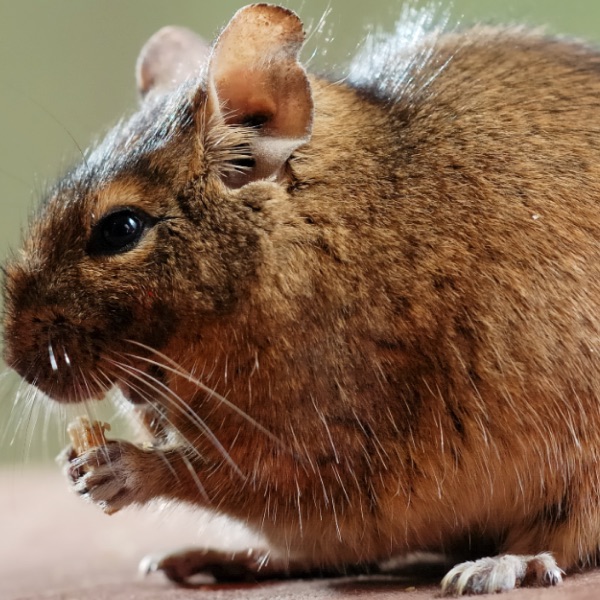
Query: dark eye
x=118, y=232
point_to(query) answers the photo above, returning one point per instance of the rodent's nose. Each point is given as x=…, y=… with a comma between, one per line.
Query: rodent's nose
x=49, y=351
x=33, y=321
x=30, y=334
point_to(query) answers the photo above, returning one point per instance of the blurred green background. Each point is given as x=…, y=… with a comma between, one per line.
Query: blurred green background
x=66, y=74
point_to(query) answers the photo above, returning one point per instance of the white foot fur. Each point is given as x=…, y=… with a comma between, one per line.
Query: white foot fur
x=501, y=574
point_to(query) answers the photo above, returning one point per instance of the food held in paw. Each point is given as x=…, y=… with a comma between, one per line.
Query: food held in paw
x=86, y=434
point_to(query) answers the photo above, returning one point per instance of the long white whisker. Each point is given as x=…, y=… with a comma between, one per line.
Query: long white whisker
x=62, y=424
x=24, y=399
x=11, y=425
x=156, y=407
x=188, y=446
x=121, y=406
x=30, y=422
x=48, y=410
x=101, y=388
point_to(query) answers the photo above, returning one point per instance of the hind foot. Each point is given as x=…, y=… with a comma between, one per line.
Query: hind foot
x=249, y=565
x=500, y=574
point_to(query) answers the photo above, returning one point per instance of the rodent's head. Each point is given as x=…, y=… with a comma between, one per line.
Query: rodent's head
x=157, y=227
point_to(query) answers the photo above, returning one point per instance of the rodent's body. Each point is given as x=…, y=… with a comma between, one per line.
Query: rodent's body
x=411, y=311
x=453, y=294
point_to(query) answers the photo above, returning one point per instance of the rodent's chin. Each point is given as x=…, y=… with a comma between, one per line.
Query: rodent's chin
x=61, y=384
x=68, y=394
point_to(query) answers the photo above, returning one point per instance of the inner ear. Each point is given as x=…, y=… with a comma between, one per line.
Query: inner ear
x=170, y=57
x=256, y=81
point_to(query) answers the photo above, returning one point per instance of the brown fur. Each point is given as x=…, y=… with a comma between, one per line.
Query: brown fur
x=411, y=310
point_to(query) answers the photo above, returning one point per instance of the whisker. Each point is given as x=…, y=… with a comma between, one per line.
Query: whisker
x=8, y=426
x=48, y=414
x=16, y=416
x=81, y=383
x=91, y=414
x=194, y=476
x=181, y=406
x=121, y=406
x=100, y=386
x=317, y=29
x=61, y=124
x=87, y=388
x=178, y=370
x=155, y=407
x=62, y=422
x=32, y=425
x=162, y=453
x=24, y=399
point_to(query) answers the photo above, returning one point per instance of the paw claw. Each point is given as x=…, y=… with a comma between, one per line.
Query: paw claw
x=148, y=565
x=109, y=476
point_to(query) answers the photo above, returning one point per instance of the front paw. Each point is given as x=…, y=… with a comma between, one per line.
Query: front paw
x=111, y=476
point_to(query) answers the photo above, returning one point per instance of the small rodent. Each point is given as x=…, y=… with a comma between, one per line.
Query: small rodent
x=361, y=315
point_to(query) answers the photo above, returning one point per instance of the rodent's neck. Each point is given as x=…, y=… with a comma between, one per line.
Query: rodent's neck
x=350, y=141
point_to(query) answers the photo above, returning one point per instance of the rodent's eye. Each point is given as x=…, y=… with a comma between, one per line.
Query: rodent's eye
x=118, y=232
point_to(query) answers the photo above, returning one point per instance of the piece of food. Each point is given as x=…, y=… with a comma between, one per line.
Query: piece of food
x=86, y=434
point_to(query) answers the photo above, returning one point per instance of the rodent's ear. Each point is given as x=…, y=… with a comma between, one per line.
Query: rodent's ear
x=255, y=80
x=168, y=58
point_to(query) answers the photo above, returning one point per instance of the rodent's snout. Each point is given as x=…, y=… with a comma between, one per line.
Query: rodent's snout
x=51, y=352
x=70, y=339
x=49, y=342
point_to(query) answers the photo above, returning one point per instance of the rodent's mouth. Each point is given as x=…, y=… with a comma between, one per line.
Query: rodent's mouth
x=67, y=390
x=79, y=372
x=67, y=387
x=64, y=376
x=67, y=374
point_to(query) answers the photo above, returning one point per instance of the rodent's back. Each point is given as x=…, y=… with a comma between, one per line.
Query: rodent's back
x=480, y=187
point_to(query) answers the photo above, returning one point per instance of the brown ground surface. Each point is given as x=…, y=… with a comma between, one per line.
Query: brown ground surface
x=53, y=546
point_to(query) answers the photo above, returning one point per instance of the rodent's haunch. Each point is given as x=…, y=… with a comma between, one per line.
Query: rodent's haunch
x=361, y=316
